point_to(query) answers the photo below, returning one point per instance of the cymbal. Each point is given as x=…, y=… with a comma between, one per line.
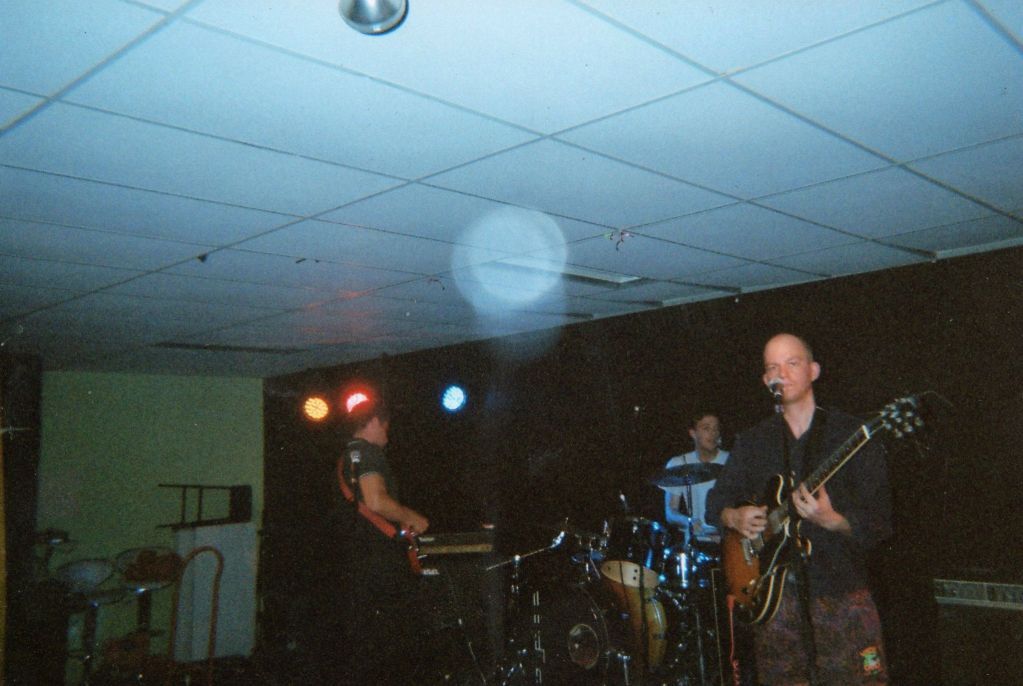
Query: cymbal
x=687, y=474
x=564, y=526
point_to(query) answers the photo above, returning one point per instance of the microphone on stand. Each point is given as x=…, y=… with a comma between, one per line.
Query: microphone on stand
x=774, y=385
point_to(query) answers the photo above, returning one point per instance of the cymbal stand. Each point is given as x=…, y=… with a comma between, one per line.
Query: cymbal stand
x=513, y=668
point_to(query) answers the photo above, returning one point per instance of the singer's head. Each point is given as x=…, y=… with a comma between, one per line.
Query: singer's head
x=789, y=359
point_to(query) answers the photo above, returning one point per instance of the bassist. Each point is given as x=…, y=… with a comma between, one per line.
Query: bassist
x=383, y=626
x=834, y=616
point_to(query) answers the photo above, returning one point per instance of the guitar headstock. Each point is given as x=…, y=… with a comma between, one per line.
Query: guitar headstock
x=902, y=416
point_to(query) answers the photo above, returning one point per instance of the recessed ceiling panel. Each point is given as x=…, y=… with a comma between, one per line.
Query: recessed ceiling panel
x=62, y=200
x=725, y=36
x=745, y=231
x=989, y=172
x=932, y=81
x=719, y=137
x=88, y=144
x=878, y=204
x=206, y=81
x=85, y=246
x=46, y=46
x=567, y=181
x=500, y=58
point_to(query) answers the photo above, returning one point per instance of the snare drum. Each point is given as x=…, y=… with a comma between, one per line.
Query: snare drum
x=636, y=550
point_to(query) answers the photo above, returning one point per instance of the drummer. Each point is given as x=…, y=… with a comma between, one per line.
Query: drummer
x=705, y=430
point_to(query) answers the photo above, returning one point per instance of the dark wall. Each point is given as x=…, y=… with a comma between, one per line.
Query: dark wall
x=604, y=405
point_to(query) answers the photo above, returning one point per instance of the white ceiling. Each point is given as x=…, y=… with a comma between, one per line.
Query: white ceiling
x=235, y=187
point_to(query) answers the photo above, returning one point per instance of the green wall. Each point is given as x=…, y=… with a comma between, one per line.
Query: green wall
x=109, y=439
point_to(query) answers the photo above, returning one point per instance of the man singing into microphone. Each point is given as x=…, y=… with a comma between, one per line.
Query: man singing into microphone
x=826, y=609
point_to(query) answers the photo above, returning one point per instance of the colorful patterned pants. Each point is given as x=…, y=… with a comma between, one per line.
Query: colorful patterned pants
x=847, y=631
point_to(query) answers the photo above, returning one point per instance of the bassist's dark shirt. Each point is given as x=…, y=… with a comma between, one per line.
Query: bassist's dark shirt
x=859, y=491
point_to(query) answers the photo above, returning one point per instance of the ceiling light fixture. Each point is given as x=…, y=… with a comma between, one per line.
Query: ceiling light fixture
x=373, y=17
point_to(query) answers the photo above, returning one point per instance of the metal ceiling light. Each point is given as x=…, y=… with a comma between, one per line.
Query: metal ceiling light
x=373, y=17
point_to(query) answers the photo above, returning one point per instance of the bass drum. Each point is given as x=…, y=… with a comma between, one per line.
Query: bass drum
x=579, y=635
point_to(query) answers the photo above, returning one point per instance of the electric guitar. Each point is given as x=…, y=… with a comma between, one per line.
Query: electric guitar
x=755, y=569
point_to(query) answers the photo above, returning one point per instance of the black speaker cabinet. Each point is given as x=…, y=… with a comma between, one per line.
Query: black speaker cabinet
x=981, y=633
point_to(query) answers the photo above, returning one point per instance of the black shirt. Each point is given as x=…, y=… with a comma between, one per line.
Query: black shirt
x=859, y=491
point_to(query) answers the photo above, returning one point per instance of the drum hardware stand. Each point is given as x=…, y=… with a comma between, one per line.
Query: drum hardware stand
x=513, y=665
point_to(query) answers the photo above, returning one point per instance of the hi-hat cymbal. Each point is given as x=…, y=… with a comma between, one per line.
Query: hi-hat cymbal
x=687, y=474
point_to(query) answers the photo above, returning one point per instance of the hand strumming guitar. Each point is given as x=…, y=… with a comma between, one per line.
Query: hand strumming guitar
x=748, y=520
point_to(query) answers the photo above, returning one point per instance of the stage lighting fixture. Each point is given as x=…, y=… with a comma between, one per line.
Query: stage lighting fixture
x=316, y=408
x=353, y=399
x=454, y=398
x=373, y=17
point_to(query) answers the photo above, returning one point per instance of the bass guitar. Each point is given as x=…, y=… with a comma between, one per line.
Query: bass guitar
x=755, y=569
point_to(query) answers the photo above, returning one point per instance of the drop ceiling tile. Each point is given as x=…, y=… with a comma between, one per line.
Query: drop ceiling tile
x=878, y=204
x=749, y=277
x=420, y=210
x=932, y=81
x=1009, y=13
x=719, y=137
x=651, y=258
x=725, y=36
x=567, y=181
x=16, y=300
x=496, y=58
x=278, y=270
x=216, y=291
x=13, y=104
x=43, y=197
x=44, y=46
x=91, y=324
x=83, y=143
x=207, y=81
x=992, y=172
x=219, y=363
x=855, y=258
x=654, y=292
x=366, y=247
x=746, y=231
x=989, y=231
x=19, y=271
x=86, y=246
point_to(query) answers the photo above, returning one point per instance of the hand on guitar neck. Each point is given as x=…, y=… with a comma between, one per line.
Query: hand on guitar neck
x=817, y=508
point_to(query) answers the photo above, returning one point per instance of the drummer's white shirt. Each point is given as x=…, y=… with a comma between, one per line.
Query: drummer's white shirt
x=674, y=494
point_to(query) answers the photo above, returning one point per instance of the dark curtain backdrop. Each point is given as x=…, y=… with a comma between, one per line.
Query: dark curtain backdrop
x=603, y=404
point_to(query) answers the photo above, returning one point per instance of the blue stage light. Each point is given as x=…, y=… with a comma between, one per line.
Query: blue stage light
x=454, y=398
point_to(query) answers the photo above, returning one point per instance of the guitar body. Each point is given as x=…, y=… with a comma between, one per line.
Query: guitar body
x=755, y=569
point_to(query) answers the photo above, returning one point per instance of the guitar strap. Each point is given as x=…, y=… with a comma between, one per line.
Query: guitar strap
x=349, y=491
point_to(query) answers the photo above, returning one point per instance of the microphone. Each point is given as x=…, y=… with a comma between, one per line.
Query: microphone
x=774, y=385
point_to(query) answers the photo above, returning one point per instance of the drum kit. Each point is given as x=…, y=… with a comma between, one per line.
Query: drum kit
x=632, y=604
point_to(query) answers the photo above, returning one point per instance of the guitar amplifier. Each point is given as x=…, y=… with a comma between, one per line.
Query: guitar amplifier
x=981, y=631
x=460, y=594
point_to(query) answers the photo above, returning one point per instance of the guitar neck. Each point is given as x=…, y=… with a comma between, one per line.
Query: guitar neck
x=842, y=454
